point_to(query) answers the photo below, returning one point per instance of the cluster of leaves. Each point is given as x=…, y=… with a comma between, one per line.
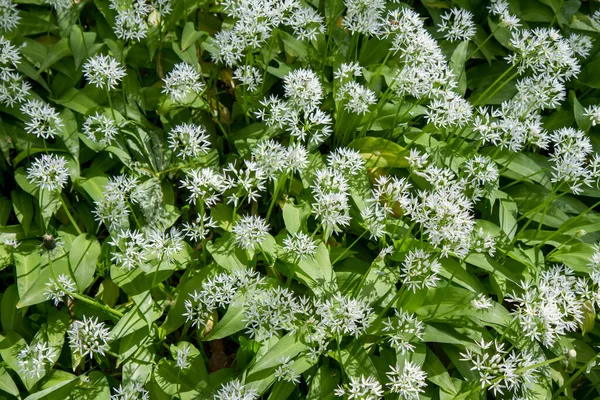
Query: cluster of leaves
x=299, y=199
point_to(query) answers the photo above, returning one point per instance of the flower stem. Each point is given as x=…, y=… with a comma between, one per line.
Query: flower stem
x=80, y=297
x=64, y=204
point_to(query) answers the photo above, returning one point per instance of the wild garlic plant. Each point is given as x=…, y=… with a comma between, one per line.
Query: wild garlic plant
x=245, y=199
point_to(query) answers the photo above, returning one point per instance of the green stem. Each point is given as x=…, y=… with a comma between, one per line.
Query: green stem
x=82, y=298
x=483, y=95
x=60, y=196
x=112, y=110
x=556, y=13
x=348, y=248
x=278, y=186
x=572, y=220
x=573, y=377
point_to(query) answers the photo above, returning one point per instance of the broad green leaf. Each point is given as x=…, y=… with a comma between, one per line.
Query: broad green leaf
x=82, y=44
x=23, y=206
x=190, y=35
x=76, y=100
x=232, y=321
x=83, y=256
x=59, y=386
x=356, y=361
x=28, y=268
x=379, y=152
x=23, y=182
x=11, y=317
x=7, y=384
x=187, y=285
x=293, y=47
x=287, y=346
x=508, y=213
x=437, y=373
x=227, y=254
x=139, y=367
x=95, y=387
x=94, y=186
x=316, y=272
x=35, y=293
x=323, y=383
x=134, y=320
x=576, y=256
x=457, y=65
x=295, y=215
x=49, y=203
x=69, y=132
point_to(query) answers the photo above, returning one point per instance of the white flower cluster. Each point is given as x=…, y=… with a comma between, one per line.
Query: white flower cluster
x=300, y=114
x=48, y=172
x=457, y=24
x=14, y=89
x=574, y=161
x=44, y=121
x=543, y=51
x=182, y=82
x=402, y=330
x=103, y=71
x=500, y=370
x=255, y=21
x=113, y=208
x=190, y=140
x=33, y=359
x=9, y=15
x=131, y=391
x=88, y=337
x=55, y=289
x=133, y=248
x=552, y=305
x=101, y=129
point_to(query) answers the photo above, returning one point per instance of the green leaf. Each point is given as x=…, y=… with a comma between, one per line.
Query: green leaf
x=58, y=51
x=293, y=47
x=227, y=254
x=323, y=383
x=186, y=286
x=83, y=256
x=59, y=386
x=35, y=294
x=7, y=384
x=295, y=215
x=94, y=186
x=577, y=256
x=379, y=152
x=95, y=387
x=185, y=384
x=232, y=322
x=288, y=346
x=316, y=272
x=437, y=373
x=142, y=316
x=28, y=268
x=457, y=65
x=508, y=214
x=49, y=204
x=76, y=100
x=82, y=44
x=23, y=206
x=10, y=345
x=11, y=318
x=23, y=182
x=69, y=132
x=356, y=361
x=190, y=35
